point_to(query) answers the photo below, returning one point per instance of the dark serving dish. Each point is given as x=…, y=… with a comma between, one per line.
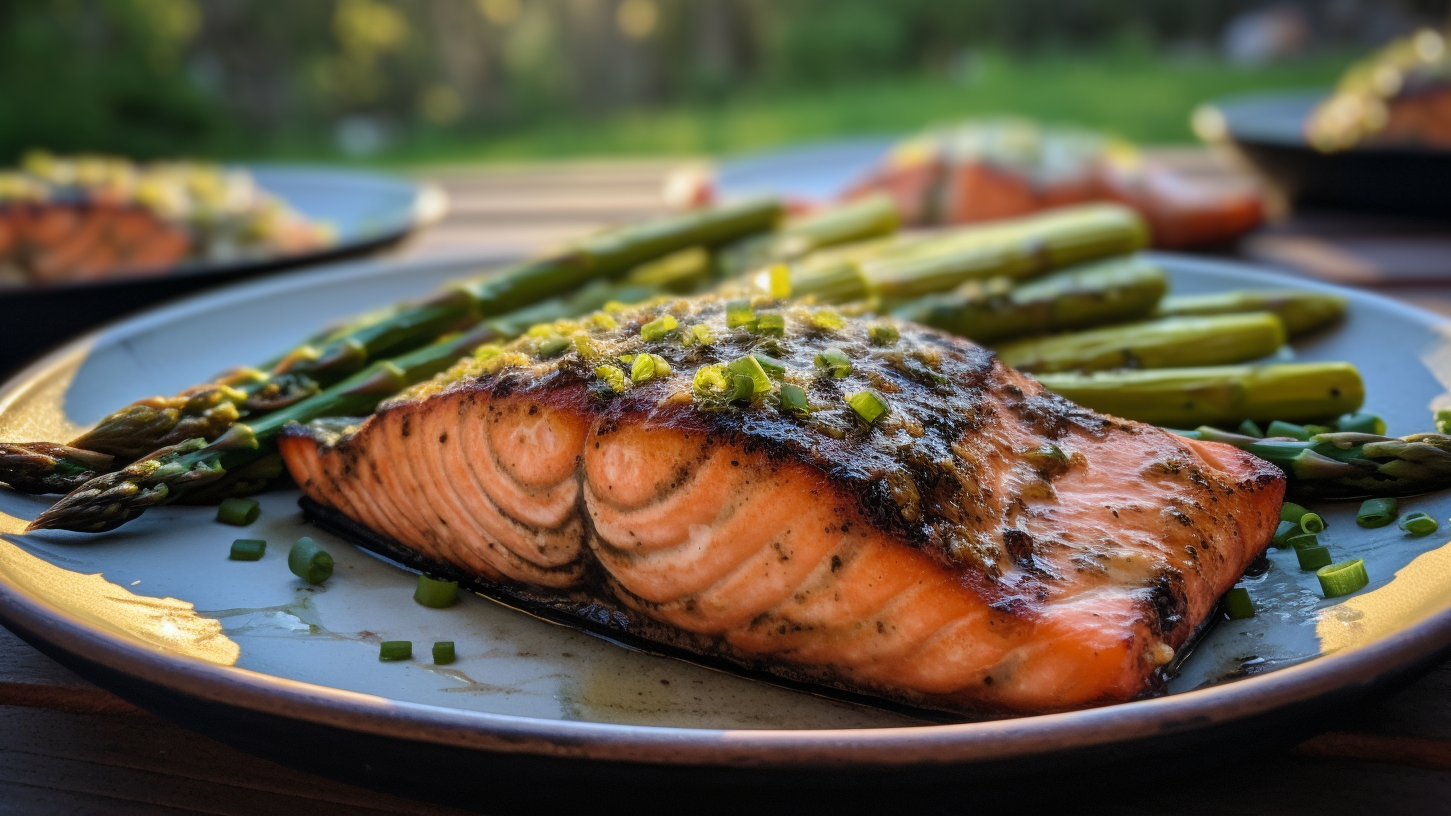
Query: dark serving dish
x=1266, y=131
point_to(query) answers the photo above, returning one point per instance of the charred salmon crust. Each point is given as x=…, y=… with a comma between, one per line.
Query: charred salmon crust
x=981, y=547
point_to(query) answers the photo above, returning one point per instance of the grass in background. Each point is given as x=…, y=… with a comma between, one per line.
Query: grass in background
x=1136, y=96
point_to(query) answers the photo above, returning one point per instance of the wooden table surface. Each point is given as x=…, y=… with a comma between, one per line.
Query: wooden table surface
x=68, y=747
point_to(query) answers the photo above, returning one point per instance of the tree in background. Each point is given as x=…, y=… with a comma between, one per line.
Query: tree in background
x=152, y=77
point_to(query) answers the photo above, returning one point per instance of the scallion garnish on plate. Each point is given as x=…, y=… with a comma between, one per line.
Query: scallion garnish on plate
x=1419, y=524
x=391, y=650
x=1342, y=578
x=238, y=512
x=309, y=561
x=1376, y=513
x=247, y=549
x=443, y=653
x=1237, y=604
x=1312, y=523
x=435, y=592
x=1312, y=558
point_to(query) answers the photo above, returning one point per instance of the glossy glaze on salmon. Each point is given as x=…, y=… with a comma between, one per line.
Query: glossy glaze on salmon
x=982, y=547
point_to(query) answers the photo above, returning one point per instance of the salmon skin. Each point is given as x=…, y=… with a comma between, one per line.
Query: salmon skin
x=982, y=547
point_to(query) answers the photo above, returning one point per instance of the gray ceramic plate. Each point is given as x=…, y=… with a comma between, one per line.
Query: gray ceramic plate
x=246, y=652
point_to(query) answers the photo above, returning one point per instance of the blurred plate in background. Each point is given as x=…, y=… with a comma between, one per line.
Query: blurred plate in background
x=816, y=172
x=1267, y=131
x=368, y=212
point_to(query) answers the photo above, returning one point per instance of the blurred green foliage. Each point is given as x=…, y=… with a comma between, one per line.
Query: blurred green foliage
x=109, y=73
x=1140, y=98
x=427, y=78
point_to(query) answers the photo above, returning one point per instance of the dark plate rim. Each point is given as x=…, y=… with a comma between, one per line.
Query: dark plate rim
x=1362, y=667
x=429, y=206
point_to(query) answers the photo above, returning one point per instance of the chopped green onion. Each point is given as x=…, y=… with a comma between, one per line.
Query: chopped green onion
x=443, y=653
x=1361, y=423
x=1312, y=523
x=599, y=321
x=613, y=377
x=659, y=328
x=435, y=593
x=1316, y=430
x=793, y=398
x=884, y=334
x=1290, y=429
x=1237, y=604
x=751, y=367
x=647, y=367
x=772, y=323
x=869, y=405
x=1048, y=456
x=1343, y=578
x=739, y=314
x=1419, y=524
x=1376, y=513
x=1251, y=428
x=391, y=650
x=743, y=387
x=1283, y=533
x=1289, y=511
x=773, y=367
x=247, y=549
x=834, y=361
x=780, y=281
x=711, y=382
x=588, y=350
x=715, y=385
x=1302, y=541
x=1313, y=558
x=309, y=562
x=827, y=320
x=553, y=344
x=701, y=334
x=238, y=512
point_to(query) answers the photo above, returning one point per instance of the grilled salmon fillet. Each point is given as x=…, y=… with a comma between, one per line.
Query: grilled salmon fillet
x=52, y=242
x=982, y=546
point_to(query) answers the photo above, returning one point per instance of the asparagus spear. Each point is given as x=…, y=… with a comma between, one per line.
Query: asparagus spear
x=1188, y=397
x=1175, y=341
x=208, y=410
x=1087, y=295
x=897, y=271
x=112, y=499
x=1345, y=465
x=1301, y=312
x=1018, y=248
x=682, y=272
x=856, y=221
x=43, y=467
